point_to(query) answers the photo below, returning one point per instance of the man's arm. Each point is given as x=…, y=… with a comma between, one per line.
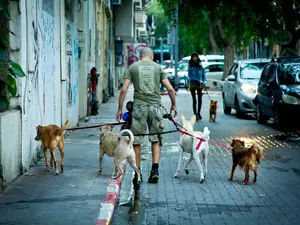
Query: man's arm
x=123, y=93
x=170, y=89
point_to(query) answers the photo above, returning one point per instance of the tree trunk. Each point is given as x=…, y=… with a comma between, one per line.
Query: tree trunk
x=215, y=48
x=228, y=49
x=228, y=58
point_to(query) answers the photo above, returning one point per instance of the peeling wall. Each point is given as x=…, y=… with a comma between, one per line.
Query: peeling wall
x=42, y=93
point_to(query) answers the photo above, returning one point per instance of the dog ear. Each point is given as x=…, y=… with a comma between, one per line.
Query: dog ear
x=39, y=128
x=182, y=119
x=193, y=119
x=232, y=142
x=211, y=101
x=216, y=102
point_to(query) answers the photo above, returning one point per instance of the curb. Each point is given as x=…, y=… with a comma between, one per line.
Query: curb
x=110, y=202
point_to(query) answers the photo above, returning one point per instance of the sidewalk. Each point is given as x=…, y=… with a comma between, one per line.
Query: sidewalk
x=40, y=197
x=273, y=199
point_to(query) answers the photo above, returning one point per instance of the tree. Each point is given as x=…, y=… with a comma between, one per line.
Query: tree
x=279, y=21
x=226, y=22
x=234, y=22
x=160, y=20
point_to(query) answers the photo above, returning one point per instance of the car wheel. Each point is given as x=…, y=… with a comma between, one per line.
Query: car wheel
x=226, y=109
x=239, y=113
x=260, y=117
x=279, y=122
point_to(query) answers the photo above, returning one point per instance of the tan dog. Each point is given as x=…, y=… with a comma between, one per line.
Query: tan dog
x=123, y=151
x=108, y=143
x=213, y=110
x=51, y=136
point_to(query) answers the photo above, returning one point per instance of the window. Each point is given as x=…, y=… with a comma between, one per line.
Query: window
x=272, y=75
x=264, y=75
x=214, y=68
x=251, y=70
x=289, y=73
x=231, y=71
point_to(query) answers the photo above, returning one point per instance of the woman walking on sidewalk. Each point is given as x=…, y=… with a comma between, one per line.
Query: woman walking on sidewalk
x=197, y=82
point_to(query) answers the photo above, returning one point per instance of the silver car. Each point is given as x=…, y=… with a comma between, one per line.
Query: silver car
x=239, y=88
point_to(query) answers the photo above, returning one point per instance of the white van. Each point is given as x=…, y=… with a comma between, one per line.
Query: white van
x=205, y=58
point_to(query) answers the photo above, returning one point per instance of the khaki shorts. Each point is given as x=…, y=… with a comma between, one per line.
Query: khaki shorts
x=147, y=115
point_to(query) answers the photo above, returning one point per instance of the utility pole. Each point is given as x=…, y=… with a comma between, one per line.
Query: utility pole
x=171, y=45
x=161, y=51
x=176, y=49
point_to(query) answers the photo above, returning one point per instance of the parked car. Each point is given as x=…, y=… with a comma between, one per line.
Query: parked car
x=239, y=88
x=213, y=70
x=278, y=93
x=205, y=58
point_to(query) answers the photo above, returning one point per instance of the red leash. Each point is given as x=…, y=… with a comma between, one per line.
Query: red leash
x=200, y=139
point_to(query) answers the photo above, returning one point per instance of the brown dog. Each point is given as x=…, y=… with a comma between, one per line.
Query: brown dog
x=246, y=158
x=213, y=110
x=51, y=136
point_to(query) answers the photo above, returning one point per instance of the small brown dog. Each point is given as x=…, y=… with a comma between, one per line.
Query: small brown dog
x=213, y=110
x=51, y=136
x=246, y=158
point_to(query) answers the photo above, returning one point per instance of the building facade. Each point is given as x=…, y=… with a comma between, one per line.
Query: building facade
x=57, y=43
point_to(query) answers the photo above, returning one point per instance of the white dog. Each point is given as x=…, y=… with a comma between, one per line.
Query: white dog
x=124, y=150
x=189, y=144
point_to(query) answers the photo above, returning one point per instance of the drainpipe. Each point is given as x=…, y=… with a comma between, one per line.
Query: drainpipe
x=110, y=34
x=62, y=56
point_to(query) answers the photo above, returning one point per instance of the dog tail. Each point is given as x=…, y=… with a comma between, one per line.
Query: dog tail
x=206, y=133
x=127, y=131
x=258, y=150
x=64, y=127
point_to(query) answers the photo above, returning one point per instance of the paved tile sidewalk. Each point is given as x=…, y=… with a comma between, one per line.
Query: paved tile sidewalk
x=274, y=199
x=39, y=197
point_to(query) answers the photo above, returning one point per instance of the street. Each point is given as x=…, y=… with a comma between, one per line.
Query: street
x=273, y=199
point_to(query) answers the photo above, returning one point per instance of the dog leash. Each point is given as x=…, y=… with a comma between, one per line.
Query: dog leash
x=95, y=126
x=207, y=94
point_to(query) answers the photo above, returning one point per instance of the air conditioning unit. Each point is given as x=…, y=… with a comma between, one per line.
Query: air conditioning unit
x=116, y=2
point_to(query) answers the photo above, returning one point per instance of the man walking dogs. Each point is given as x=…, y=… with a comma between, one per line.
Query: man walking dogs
x=146, y=77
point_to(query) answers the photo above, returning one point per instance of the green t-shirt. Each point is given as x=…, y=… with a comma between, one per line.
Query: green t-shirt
x=146, y=77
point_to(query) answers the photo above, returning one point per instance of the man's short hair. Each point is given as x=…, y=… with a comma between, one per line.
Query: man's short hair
x=146, y=52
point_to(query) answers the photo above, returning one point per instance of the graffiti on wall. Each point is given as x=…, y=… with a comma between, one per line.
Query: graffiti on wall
x=36, y=50
x=69, y=35
x=75, y=87
x=133, y=52
x=69, y=79
x=69, y=61
x=48, y=23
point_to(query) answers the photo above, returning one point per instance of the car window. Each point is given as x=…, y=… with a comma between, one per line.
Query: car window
x=264, y=75
x=289, y=73
x=235, y=71
x=232, y=69
x=272, y=75
x=251, y=70
x=214, y=68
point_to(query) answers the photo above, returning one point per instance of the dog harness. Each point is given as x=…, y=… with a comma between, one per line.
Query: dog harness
x=200, y=139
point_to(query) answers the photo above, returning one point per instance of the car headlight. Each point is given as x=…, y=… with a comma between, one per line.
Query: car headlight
x=248, y=88
x=290, y=100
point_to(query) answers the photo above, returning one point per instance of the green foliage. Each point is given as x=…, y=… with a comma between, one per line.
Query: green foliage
x=9, y=70
x=241, y=19
x=160, y=20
